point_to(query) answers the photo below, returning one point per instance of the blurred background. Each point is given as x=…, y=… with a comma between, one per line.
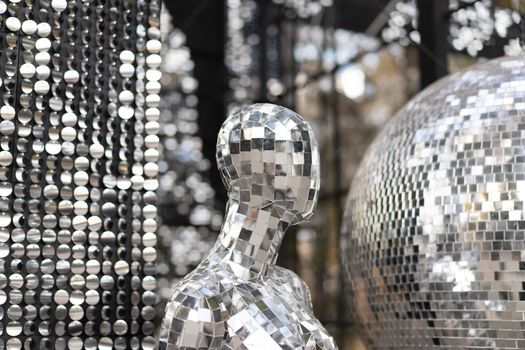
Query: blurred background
x=345, y=65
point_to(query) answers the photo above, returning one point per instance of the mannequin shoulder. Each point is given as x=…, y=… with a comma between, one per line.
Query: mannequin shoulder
x=196, y=313
x=197, y=287
x=287, y=279
x=205, y=287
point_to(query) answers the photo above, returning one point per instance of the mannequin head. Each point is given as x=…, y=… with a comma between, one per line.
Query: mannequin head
x=269, y=160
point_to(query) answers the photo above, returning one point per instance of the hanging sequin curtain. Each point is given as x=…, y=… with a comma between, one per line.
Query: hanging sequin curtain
x=79, y=83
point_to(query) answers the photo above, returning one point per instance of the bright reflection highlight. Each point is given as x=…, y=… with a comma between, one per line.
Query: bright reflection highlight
x=351, y=81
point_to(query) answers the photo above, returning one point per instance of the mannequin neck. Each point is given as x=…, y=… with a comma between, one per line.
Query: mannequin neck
x=249, y=240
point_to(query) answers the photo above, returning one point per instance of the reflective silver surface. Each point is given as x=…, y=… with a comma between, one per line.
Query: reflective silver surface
x=77, y=201
x=433, y=243
x=237, y=298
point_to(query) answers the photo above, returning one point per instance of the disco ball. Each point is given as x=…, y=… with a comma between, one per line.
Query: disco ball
x=434, y=235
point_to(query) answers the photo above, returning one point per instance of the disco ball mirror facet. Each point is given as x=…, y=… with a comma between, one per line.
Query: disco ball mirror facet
x=434, y=236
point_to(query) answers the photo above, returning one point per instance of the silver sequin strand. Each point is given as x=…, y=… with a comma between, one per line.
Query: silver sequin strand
x=77, y=228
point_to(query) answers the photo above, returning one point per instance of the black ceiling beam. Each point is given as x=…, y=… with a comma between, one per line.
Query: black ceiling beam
x=357, y=15
x=433, y=48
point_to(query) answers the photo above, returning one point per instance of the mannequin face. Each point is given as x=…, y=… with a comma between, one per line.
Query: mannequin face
x=269, y=160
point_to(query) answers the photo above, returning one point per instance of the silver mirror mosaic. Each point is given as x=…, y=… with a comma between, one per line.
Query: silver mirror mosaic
x=237, y=298
x=79, y=117
x=434, y=246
